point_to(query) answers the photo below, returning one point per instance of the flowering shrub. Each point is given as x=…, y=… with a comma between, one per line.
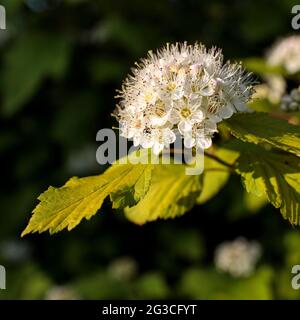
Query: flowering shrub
x=185, y=89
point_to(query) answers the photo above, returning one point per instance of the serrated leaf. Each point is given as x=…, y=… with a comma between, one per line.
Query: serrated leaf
x=79, y=198
x=216, y=174
x=260, y=128
x=129, y=196
x=171, y=194
x=276, y=175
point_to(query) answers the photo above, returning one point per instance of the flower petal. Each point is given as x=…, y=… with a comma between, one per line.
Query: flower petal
x=189, y=142
x=174, y=117
x=157, y=148
x=198, y=116
x=204, y=142
x=184, y=126
x=226, y=111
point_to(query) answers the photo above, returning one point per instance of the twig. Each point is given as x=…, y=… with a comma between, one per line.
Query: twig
x=214, y=157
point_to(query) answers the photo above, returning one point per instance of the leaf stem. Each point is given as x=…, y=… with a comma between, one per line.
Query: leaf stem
x=216, y=170
x=214, y=157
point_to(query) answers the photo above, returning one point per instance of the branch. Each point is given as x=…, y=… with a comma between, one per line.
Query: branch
x=214, y=157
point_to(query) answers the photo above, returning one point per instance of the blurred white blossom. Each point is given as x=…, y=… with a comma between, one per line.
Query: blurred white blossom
x=276, y=87
x=123, y=268
x=183, y=89
x=291, y=102
x=286, y=53
x=238, y=257
x=15, y=251
x=61, y=293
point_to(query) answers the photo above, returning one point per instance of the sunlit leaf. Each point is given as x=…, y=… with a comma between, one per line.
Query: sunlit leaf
x=80, y=198
x=260, y=128
x=171, y=194
x=276, y=175
x=215, y=173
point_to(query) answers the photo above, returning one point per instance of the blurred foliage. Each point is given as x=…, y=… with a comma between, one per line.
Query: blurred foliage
x=61, y=62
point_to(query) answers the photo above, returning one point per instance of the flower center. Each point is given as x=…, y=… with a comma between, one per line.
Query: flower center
x=171, y=86
x=194, y=88
x=185, y=112
x=159, y=109
x=174, y=68
x=148, y=96
x=138, y=124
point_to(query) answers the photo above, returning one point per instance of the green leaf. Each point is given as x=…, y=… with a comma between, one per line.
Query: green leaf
x=152, y=285
x=216, y=174
x=260, y=66
x=253, y=203
x=171, y=194
x=274, y=174
x=80, y=198
x=260, y=128
x=30, y=59
x=263, y=105
x=216, y=285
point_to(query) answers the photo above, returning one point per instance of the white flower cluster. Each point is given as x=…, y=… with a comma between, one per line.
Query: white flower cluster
x=123, y=268
x=286, y=53
x=183, y=89
x=61, y=293
x=238, y=257
x=291, y=102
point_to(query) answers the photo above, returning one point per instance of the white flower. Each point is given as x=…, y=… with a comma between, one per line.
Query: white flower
x=291, y=102
x=158, y=139
x=238, y=257
x=133, y=126
x=286, y=53
x=200, y=135
x=61, y=293
x=186, y=113
x=184, y=87
x=159, y=113
x=275, y=87
x=123, y=268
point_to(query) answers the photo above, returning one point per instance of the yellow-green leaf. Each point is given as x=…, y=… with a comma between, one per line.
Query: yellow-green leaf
x=260, y=128
x=216, y=174
x=274, y=174
x=171, y=194
x=80, y=198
